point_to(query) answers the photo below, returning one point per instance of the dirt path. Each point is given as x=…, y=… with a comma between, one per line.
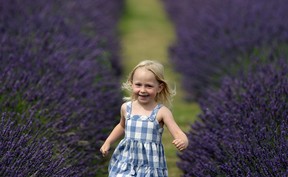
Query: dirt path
x=147, y=33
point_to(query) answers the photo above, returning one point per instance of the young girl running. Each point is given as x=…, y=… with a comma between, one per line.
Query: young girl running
x=143, y=116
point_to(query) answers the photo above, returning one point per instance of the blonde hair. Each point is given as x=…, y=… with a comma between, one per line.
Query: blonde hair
x=166, y=94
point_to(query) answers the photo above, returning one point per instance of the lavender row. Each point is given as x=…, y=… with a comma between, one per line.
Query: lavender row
x=243, y=128
x=213, y=37
x=24, y=154
x=58, y=60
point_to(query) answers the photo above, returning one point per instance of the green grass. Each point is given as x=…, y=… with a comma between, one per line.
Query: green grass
x=146, y=33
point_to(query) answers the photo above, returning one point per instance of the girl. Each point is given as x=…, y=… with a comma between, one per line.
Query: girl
x=143, y=116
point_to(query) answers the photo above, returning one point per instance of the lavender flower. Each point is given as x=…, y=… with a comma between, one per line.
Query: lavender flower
x=25, y=151
x=60, y=67
x=216, y=38
x=243, y=128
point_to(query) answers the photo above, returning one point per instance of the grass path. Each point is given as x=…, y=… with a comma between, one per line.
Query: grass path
x=146, y=33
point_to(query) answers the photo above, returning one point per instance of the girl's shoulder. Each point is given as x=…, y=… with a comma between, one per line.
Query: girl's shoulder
x=124, y=106
x=164, y=110
x=163, y=113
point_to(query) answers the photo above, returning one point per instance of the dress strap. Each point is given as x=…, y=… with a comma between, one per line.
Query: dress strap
x=152, y=117
x=128, y=109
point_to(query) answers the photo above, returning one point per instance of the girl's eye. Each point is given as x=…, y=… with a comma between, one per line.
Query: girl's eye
x=138, y=84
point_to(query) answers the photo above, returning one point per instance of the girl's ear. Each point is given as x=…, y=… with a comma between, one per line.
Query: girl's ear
x=161, y=86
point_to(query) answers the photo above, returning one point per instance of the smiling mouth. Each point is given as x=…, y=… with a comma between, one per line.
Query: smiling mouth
x=143, y=95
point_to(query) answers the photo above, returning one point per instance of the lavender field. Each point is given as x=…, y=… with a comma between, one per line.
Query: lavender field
x=243, y=128
x=59, y=85
x=233, y=57
x=217, y=38
x=61, y=67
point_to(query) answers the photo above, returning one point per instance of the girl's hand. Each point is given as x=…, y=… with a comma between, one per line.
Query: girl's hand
x=105, y=149
x=180, y=144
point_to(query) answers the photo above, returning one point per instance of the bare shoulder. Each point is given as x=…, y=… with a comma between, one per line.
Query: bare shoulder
x=164, y=113
x=164, y=109
x=123, y=114
x=123, y=108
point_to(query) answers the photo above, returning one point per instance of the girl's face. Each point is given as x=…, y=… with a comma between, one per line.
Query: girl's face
x=145, y=86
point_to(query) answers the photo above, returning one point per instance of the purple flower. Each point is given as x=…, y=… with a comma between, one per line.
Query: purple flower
x=64, y=69
x=215, y=39
x=243, y=128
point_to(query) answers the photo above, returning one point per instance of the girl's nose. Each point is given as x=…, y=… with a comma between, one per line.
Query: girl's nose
x=142, y=89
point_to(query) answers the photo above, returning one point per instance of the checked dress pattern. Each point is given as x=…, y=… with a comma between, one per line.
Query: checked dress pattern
x=140, y=153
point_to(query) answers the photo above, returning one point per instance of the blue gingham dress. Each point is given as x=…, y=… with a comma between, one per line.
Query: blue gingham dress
x=141, y=152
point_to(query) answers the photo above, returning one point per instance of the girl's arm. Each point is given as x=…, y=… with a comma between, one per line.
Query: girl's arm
x=116, y=133
x=180, y=139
